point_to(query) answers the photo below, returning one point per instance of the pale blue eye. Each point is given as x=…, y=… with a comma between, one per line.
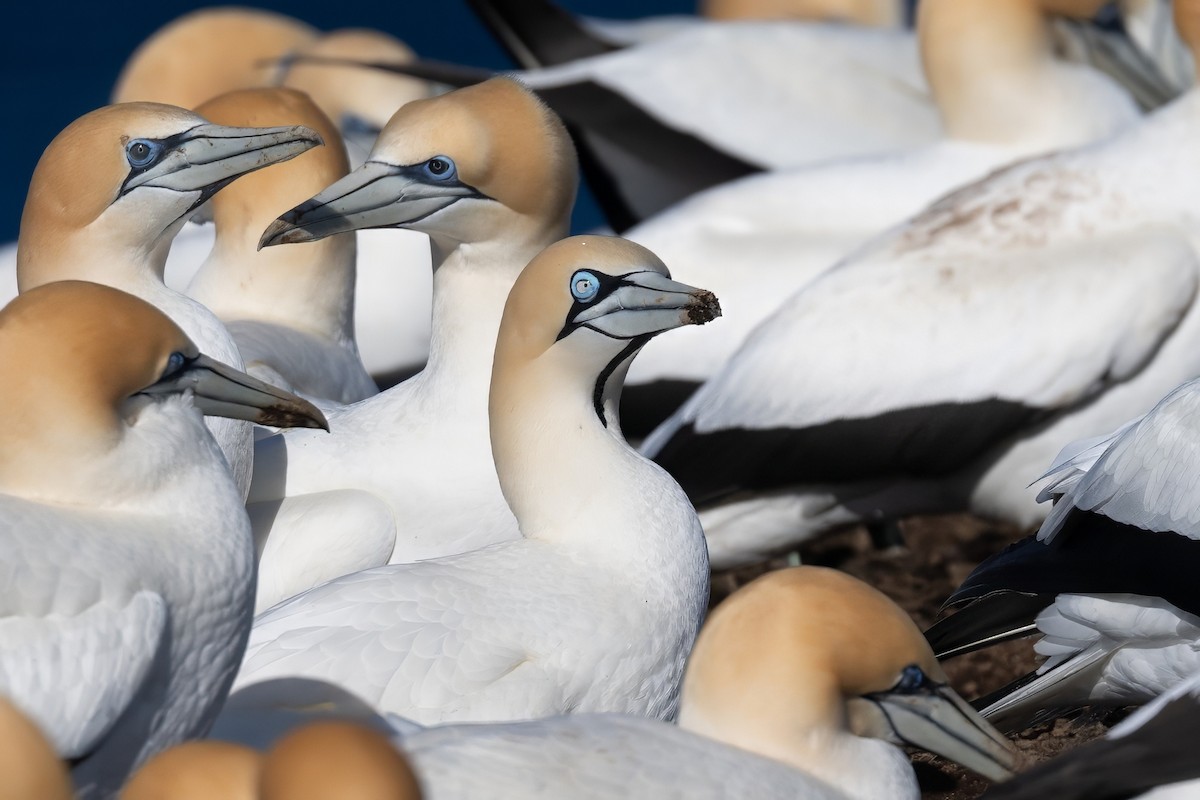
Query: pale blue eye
x=174, y=364
x=911, y=679
x=141, y=152
x=584, y=286
x=441, y=168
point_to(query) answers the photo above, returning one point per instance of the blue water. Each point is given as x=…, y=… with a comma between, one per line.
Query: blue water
x=60, y=60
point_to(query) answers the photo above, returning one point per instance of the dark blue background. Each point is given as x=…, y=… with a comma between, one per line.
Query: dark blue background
x=60, y=60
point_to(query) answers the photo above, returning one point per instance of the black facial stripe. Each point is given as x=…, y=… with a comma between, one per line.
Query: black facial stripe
x=166, y=145
x=933, y=689
x=598, y=393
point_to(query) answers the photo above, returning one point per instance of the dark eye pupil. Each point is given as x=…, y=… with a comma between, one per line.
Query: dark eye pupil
x=140, y=151
x=437, y=166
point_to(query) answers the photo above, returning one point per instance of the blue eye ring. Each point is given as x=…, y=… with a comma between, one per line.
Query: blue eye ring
x=912, y=678
x=141, y=152
x=440, y=168
x=584, y=286
x=175, y=363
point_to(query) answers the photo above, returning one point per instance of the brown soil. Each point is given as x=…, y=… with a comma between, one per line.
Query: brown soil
x=940, y=552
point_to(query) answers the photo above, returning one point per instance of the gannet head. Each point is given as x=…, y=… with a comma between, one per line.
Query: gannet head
x=861, y=12
x=243, y=209
x=123, y=179
x=806, y=650
x=83, y=366
x=353, y=97
x=207, y=52
x=198, y=770
x=337, y=759
x=1187, y=24
x=28, y=762
x=575, y=318
x=470, y=165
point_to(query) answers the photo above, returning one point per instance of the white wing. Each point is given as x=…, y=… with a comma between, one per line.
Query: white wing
x=1005, y=302
x=595, y=756
x=75, y=675
x=1074, y=461
x=431, y=640
x=1149, y=477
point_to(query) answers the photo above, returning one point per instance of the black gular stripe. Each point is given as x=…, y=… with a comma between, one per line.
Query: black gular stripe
x=923, y=442
x=1161, y=751
x=635, y=344
x=1091, y=554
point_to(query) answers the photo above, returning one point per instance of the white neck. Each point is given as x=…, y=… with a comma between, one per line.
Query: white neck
x=573, y=481
x=308, y=287
x=471, y=283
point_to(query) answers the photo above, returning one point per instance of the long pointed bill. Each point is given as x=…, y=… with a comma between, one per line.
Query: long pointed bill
x=938, y=720
x=646, y=304
x=222, y=391
x=376, y=195
x=207, y=157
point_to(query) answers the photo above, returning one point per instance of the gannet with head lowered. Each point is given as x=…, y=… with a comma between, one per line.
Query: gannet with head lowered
x=127, y=562
x=597, y=605
x=800, y=685
x=109, y=195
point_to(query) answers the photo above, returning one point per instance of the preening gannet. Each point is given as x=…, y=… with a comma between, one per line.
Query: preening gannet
x=1002, y=96
x=596, y=607
x=127, y=565
x=488, y=172
x=28, y=762
x=1107, y=581
x=110, y=193
x=799, y=686
x=290, y=310
x=944, y=364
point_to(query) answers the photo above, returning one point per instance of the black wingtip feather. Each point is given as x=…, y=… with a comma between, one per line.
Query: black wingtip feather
x=537, y=33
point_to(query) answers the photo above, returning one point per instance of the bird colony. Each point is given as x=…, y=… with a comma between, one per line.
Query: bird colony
x=334, y=466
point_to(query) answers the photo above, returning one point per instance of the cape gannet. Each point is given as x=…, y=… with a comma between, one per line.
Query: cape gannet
x=488, y=172
x=596, y=607
x=212, y=51
x=1002, y=96
x=944, y=364
x=198, y=770
x=28, y=762
x=1107, y=580
x=1150, y=755
x=127, y=563
x=290, y=310
x=110, y=193
x=800, y=685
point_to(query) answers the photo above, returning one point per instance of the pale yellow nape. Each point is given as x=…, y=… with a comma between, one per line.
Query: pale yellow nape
x=253, y=201
x=888, y=13
x=781, y=656
x=979, y=57
x=71, y=353
x=207, y=52
x=198, y=770
x=504, y=140
x=337, y=759
x=540, y=300
x=369, y=94
x=29, y=767
x=1187, y=25
x=78, y=177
